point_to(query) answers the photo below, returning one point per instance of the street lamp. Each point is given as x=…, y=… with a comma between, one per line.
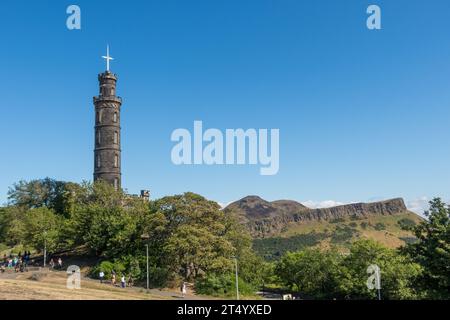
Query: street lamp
x=236, y=276
x=45, y=248
x=146, y=237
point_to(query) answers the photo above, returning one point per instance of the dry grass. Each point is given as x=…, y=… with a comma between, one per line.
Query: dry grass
x=52, y=286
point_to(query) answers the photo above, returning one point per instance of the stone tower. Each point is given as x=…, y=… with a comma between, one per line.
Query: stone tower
x=107, y=153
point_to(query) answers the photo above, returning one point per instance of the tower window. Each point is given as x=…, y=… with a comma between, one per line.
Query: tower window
x=98, y=137
x=115, y=117
x=116, y=183
x=99, y=116
x=98, y=162
x=116, y=137
x=116, y=161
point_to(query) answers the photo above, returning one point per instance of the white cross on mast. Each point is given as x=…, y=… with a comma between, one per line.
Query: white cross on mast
x=107, y=57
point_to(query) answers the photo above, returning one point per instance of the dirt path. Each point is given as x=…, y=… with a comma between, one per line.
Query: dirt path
x=52, y=286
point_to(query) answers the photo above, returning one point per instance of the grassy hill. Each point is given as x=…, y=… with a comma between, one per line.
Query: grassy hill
x=340, y=233
x=293, y=227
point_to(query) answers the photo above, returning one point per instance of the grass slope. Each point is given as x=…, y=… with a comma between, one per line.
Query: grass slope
x=341, y=233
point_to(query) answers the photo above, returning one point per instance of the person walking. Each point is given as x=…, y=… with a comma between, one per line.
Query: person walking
x=122, y=281
x=60, y=263
x=113, y=279
x=130, y=281
x=183, y=289
x=101, y=276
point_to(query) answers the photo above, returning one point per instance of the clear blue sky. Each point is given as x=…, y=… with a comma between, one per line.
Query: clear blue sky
x=363, y=115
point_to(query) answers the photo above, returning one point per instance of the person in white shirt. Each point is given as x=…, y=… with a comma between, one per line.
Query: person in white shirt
x=183, y=289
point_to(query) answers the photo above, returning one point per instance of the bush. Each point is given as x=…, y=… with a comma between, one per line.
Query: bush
x=159, y=276
x=343, y=234
x=107, y=267
x=406, y=224
x=409, y=240
x=3, y=247
x=222, y=285
x=337, y=220
x=380, y=226
x=274, y=248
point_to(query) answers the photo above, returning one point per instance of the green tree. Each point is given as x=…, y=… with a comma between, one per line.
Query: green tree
x=310, y=272
x=12, y=225
x=398, y=273
x=108, y=222
x=192, y=232
x=42, y=228
x=432, y=250
x=38, y=193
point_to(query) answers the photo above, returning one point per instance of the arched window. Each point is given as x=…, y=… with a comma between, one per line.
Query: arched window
x=116, y=161
x=98, y=162
x=99, y=116
x=116, y=137
x=116, y=183
x=115, y=117
x=98, y=137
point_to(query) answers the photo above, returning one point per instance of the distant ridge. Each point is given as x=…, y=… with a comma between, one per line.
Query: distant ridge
x=264, y=218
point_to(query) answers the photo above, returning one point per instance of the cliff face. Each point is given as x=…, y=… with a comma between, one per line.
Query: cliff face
x=265, y=218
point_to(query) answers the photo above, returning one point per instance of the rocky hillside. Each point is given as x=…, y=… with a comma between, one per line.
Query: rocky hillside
x=265, y=218
x=284, y=225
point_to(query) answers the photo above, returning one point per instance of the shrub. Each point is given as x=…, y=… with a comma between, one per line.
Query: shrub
x=380, y=226
x=159, y=276
x=107, y=267
x=406, y=223
x=274, y=248
x=343, y=234
x=337, y=220
x=222, y=285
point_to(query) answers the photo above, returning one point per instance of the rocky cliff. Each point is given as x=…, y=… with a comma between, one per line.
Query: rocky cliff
x=265, y=218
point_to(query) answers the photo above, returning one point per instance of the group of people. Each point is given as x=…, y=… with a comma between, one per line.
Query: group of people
x=59, y=264
x=123, y=282
x=18, y=263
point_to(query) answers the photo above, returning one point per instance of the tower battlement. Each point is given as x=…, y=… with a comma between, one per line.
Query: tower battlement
x=107, y=75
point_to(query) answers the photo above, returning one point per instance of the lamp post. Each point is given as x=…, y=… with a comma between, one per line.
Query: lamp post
x=146, y=237
x=45, y=248
x=236, y=276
